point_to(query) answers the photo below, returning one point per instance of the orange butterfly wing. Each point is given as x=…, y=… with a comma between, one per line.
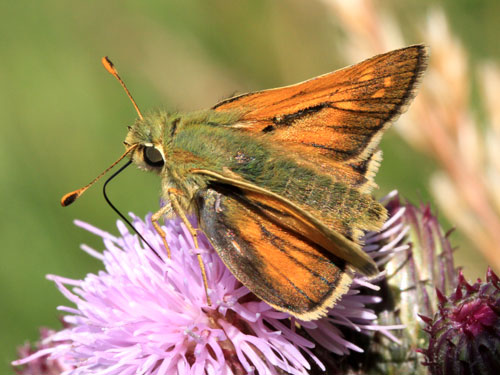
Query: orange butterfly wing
x=336, y=120
x=289, y=271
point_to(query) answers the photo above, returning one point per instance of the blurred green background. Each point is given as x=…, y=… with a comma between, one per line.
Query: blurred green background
x=63, y=118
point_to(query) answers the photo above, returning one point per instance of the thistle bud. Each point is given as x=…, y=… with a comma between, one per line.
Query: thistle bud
x=465, y=331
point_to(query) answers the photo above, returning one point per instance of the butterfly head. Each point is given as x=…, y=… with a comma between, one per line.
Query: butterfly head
x=146, y=136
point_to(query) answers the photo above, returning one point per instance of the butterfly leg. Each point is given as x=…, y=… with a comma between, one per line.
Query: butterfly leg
x=154, y=220
x=172, y=195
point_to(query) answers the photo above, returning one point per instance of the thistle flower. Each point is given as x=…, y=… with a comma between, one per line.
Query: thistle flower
x=465, y=332
x=149, y=315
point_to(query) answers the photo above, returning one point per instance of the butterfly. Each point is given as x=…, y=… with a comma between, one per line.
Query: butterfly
x=280, y=180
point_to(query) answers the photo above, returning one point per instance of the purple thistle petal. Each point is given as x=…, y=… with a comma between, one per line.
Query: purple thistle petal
x=147, y=315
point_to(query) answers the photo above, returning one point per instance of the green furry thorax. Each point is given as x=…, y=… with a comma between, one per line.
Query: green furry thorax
x=205, y=139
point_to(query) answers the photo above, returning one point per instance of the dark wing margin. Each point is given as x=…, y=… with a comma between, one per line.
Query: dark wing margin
x=281, y=267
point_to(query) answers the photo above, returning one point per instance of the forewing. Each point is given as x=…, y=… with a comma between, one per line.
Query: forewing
x=340, y=115
x=279, y=265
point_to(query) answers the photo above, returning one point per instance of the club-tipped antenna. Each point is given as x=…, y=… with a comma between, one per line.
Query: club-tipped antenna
x=69, y=198
x=106, y=62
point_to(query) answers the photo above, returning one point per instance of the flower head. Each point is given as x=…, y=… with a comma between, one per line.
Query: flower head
x=465, y=331
x=148, y=314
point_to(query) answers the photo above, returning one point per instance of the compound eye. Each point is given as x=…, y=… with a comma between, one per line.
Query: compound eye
x=153, y=157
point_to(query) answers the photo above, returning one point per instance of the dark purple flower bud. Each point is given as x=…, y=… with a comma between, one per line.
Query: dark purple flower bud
x=465, y=331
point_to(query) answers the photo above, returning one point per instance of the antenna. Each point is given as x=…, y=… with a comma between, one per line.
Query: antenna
x=69, y=198
x=111, y=69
